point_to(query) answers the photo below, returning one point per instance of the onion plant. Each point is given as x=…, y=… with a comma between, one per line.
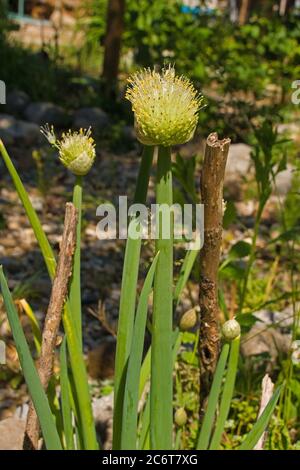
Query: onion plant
x=166, y=110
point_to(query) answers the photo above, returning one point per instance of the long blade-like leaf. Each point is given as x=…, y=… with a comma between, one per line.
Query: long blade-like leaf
x=261, y=424
x=131, y=396
x=213, y=399
x=75, y=284
x=227, y=393
x=65, y=397
x=184, y=274
x=33, y=382
x=128, y=299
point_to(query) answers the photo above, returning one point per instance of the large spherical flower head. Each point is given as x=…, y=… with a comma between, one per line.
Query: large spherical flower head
x=165, y=107
x=76, y=149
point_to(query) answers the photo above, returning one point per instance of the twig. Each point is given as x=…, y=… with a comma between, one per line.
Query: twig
x=212, y=180
x=52, y=320
x=266, y=394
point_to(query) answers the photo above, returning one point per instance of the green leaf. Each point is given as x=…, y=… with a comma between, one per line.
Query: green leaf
x=227, y=394
x=131, y=396
x=247, y=320
x=185, y=272
x=161, y=410
x=65, y=397
x=233, y=270
x=32, y=379
x=239, y=250
x=230, y=214
x=261, y=424
x=75, y=284
x=213, y=399
x=128, y=299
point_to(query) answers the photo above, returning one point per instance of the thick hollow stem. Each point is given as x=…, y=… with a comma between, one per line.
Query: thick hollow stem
x=75, y=286
x=128, y=300
x=161, y=359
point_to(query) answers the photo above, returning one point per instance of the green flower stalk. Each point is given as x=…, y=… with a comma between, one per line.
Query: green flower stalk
x=77, y=153
x=166, y=113
x=165, y=107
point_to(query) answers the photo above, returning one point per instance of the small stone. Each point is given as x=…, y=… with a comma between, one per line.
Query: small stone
x=42, y=113
x=95, y=118
x=37, y=203
x=283, y=181
x=12, y=433
x=17, y=101
x=13, y=131
x=129, y=134
x=262, y=340
x=238, y=162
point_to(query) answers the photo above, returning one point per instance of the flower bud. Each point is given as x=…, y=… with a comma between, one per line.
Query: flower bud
x=180, y=417
x=231, y=329
x=76, y=149
x=188, y=319
x=165, y=107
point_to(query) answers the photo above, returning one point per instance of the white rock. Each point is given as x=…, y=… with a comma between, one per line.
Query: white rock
x=238, y=162
x=13, y=131
x=12, y=433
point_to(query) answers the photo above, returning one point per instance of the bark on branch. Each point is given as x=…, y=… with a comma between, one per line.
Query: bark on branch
x=212, y=180
x=53, y=319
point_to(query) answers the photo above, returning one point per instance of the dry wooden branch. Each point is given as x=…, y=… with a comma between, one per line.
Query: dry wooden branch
x=53, y=319
x=266, y=395
x=212, y=180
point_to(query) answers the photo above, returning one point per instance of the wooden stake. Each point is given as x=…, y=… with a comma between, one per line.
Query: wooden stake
x=53, y=319
x=212, y=180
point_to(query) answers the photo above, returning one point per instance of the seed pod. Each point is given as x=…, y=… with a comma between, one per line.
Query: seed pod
x=231, y=330
x=165, y=107
x=188, y=319
x=180, y=417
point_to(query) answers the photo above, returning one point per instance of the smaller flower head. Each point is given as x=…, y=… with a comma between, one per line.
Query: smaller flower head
x=165, y=107
x=76, y=149
x=188, y=319
x=231, y=329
